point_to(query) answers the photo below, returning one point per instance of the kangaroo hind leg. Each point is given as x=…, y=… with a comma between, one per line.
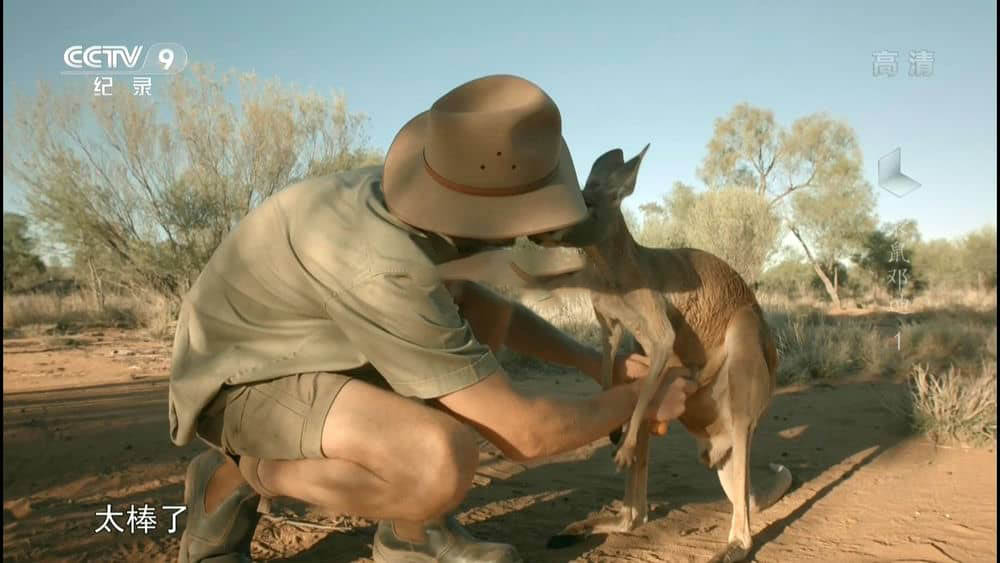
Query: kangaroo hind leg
x=748, y=379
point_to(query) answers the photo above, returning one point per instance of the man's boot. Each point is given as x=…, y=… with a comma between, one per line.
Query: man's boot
x=447, y=542
x=224, y=535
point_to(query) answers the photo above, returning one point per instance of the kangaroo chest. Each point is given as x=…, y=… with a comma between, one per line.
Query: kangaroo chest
x=629, y=310
x=653, y=320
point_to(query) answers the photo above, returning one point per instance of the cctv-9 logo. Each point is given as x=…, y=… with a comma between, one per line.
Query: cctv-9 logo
x=159, y=58
x=165, y=58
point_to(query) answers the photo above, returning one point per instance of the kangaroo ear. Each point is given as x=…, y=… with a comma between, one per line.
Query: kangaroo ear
x=622, y=179
x=603, y=167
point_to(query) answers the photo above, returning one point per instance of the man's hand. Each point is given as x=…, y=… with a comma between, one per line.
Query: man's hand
x=668, y=403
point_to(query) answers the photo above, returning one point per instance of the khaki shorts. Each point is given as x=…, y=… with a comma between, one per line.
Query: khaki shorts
x=278, y=419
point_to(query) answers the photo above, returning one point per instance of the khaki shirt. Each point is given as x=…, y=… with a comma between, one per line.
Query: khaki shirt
x=320, y=277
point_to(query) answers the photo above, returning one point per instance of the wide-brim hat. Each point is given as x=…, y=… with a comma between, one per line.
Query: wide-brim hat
x=487, y=161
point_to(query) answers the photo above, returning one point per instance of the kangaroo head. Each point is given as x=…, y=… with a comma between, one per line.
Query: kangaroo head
x=611, y=180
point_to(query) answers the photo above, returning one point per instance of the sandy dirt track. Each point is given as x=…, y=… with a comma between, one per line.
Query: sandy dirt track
x=85, y=425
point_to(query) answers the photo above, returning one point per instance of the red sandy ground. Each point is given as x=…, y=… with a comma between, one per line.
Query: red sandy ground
x=85, y=425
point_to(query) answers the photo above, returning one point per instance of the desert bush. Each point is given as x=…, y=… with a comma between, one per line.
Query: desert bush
x=142, y=197
x=963, y=298
x=30, y=314
x=811, y=346
x=780, y=302
x=22, y=267
x=943, y=340
x=967, y=262
x=567, y=310
x=945, y=355
x=788, y=279
x=814, y=345
x=955, y=406
x=737, y=225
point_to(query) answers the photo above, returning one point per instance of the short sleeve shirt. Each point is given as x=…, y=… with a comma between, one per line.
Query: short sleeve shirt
x=320, y=277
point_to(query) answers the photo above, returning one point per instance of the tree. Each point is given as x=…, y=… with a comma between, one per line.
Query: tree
x=22, y=267
x=815, y=165
x=791, y=276
x=887, y=257
x=663, y=223
x=939, y=261
x=836, y=271
x=968, y=262
x=147, y=201
x=875, y=259
x=834, y=219
x=736, y=225
x=743, y=150
x=905, y=232
x=978, y=257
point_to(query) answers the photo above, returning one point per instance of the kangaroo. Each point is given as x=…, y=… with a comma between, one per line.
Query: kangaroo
x=683, y=307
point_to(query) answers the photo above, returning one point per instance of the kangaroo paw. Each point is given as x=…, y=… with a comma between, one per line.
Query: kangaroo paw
x=733, y=553
x=625, y=455
x=603, y=524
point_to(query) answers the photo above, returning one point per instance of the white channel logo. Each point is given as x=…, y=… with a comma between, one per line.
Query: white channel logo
x=160, y=58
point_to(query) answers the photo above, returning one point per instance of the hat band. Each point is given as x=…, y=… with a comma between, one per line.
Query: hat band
x=490, y=192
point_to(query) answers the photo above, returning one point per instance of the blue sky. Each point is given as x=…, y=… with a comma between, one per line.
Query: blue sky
x=623, y=75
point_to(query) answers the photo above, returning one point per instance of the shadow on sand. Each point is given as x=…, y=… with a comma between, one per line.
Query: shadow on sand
x=823, y=434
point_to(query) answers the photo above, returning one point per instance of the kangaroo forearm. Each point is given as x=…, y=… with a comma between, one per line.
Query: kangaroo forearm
x=564, y=425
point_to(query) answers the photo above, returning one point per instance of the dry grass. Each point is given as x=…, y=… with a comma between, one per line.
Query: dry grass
x=812, y=346
x=782, y=303
x=938, y=299
x=568, y=310
x=952, y=334
x=966, y=298
x=815, y=344
x=955, y=407
x=34, y=314
x=944, y=338
x=944, y=349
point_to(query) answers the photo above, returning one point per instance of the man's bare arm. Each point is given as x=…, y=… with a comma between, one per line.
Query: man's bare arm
x=526, y=427
x=499, y=322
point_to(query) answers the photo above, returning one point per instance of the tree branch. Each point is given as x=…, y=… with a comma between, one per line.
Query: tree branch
x=795, y=231
x=791, y=188
x=816, y=267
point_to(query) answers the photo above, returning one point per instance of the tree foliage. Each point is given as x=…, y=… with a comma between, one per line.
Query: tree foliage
x=896, y=251
x=663, y=224
x=887, y=260
x=736, y=225
x=22, y=267
x=791, y=277
x=809, y=173
x=969, y=262
x=144, y=201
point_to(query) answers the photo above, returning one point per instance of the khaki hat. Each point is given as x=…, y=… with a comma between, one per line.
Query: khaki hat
x=487, y=161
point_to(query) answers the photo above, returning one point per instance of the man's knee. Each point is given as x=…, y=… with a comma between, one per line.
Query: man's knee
x=424, y=458
x=445, y=475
